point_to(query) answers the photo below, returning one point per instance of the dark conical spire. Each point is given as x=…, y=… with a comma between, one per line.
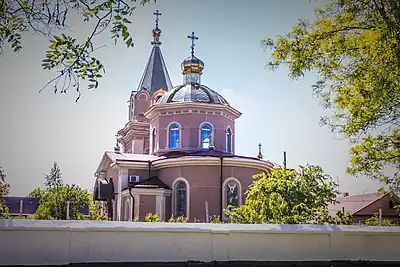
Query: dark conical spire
x=155, y=75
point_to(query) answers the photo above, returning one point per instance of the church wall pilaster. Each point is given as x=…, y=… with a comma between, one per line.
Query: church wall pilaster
x=122, y=180
x=160, y=207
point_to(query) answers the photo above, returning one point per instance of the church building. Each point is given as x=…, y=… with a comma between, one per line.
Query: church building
x=176, y=154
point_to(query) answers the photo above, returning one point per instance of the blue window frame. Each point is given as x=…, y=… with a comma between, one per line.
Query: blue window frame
x=206, y=135
x=174, y=136
x=228, y=140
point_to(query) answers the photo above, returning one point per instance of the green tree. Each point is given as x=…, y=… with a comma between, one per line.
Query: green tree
x=95, y=211
x=54, y=178
x=375, y=221
x=53, y=203
x=286, y=196
x=4, y=190
x=341, y=218
x=354, y=47
x=72, y=59
x=53, y=199
x=37, y=193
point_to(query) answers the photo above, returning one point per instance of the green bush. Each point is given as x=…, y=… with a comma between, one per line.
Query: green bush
x=151, y=217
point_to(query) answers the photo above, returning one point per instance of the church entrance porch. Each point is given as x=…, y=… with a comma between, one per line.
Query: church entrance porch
x=137, y=202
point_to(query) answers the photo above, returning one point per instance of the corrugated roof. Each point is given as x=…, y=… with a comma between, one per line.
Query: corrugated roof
x=29, y=204
x=128, y=156
x=354, y=203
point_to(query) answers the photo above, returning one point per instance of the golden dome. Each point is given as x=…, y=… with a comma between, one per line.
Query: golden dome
x=156, y=32
x=192, y=65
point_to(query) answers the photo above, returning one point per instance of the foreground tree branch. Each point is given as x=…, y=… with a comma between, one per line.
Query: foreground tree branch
x=354, y=46
x=73, y=61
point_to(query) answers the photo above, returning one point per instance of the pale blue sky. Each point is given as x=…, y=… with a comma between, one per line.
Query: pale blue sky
x=37, y=129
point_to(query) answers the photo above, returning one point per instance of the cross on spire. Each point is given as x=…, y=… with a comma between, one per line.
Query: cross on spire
x=157, y=14
x=193, y=38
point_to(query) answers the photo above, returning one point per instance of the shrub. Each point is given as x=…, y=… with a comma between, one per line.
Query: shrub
x=152, y=217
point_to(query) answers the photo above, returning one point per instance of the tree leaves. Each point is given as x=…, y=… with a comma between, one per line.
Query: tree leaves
x=354, y=46
x=4, y=190
x=53, y=199
x=73, y=61
x=289, y=197
x=54, y=178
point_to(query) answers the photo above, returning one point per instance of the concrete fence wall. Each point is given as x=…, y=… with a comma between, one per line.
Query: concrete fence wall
x=63, y=242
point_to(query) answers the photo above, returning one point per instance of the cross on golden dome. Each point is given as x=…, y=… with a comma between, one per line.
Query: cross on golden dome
x=193, y=38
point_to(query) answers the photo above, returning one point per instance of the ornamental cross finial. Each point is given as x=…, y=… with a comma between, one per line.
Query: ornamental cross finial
x=157, y=14
x=260, y=156
x=193, y=38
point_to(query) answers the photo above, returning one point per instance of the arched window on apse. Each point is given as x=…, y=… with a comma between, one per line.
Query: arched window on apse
x=206, y=135
x=174, y=136
x=232, y=193
x=153, y=140
x=229, y=140
x=180, y=199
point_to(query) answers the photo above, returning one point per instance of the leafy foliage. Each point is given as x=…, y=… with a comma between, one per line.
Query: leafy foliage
x=37, y=193
x=72, y=59
x=287, y=197
x=53, y=204
x=95, y=209
x=354, y=46
x=341, y=218
x=215, y=219
x=53, y=199
x=54, y=178
x=4, y=190
x=151, y=217
x=180, y=219
x=375, y=221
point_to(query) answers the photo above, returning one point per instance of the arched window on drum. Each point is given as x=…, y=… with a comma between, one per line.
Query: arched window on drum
x=174, y=136
x=205, y=135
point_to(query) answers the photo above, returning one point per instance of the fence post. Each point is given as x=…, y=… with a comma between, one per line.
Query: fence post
x=68, y=203
x=206, y=207
x=21, y=208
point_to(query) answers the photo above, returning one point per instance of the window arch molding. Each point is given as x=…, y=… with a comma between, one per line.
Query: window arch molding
x=224, y=193
x=143, y=95
x=174, y=199
x=211, y=137
x=169, y=133
x=229, y=139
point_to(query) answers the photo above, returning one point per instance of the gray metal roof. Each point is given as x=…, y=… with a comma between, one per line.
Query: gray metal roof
x=155, y=75
x=29, y=204
x=192, y=93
